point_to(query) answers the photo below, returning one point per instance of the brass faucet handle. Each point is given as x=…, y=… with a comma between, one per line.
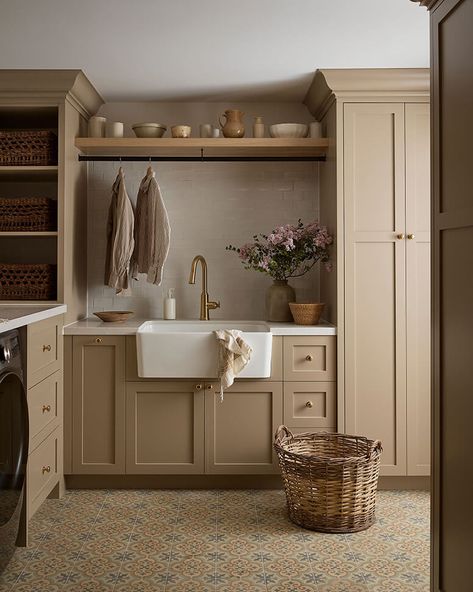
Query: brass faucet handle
x=213, y=304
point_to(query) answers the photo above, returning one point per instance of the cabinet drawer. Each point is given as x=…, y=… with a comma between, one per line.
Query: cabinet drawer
x=309, y=358
x=44, y=349
x=44, y=406
x=44, y=466
x=310, y=404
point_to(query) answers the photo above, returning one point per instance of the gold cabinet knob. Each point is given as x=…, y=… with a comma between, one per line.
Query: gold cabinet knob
x=198, y=387
x=46, y=348
x=210, y=387
x=46, y=469
x=309, y=358
x=309, y=404
x=411, y=236
x=98, y=340
x=46, y=408
x=400, y=236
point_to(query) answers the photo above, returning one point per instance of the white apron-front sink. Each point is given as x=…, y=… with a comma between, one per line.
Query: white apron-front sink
x=188, y=349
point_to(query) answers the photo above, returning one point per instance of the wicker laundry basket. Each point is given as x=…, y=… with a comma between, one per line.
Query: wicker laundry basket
x=330, y=479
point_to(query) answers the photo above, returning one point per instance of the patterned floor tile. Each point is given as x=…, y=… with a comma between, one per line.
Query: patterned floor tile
x=208, y=541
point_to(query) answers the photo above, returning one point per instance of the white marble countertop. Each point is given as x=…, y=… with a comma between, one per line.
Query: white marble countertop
x=93, y=326
x=13, y=316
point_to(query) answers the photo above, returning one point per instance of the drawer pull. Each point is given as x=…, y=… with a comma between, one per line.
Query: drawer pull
x=309, y=357
x=198, y=387
x=210, y=387
x=98, y=340
x=309, y=404
x=46, y=469
x=46, y=348
x=46, y=408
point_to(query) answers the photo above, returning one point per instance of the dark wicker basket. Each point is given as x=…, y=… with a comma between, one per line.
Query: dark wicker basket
x=27, y=214
x=330, y=479
x=28, y=148
x=27, y=281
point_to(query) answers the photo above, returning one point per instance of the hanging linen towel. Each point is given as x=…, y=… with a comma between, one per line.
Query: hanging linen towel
x=152, y=231
x=233, y=355
x=120, y=242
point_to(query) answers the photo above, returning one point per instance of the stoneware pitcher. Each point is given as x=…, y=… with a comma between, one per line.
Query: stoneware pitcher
x=233, y=127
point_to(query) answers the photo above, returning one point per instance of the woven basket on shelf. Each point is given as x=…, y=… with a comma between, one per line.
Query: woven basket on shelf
x=27, y=148
x=27, y=281
x=330, y=479
x=306, y=313
x=27, y=214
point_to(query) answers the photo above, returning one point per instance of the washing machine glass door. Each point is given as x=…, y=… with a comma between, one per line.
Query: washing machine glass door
x=13, y=456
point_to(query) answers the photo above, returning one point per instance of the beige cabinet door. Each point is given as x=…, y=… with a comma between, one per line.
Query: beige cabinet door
x=98, y=409
x=165, y=427
x=418, y=287
x=375, y=315
x=239, y=431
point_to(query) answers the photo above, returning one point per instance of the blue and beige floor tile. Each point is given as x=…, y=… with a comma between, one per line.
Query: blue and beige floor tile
x=225, y=541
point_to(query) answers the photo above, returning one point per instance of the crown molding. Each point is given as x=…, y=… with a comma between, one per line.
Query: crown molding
x=329, y=85
x=71, y=85
x=427, y=3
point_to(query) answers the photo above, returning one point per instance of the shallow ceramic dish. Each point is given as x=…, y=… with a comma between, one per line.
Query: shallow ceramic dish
x=288, y=130
x=114, y=316
x=149, y=130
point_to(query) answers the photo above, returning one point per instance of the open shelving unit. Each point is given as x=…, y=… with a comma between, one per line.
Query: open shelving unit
x=202, y=148
x=30, y=181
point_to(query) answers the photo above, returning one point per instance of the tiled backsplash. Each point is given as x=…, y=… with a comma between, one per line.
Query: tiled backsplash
x=210, y=205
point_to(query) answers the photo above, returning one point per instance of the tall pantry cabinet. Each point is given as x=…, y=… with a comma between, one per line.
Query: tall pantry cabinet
x=375, y=195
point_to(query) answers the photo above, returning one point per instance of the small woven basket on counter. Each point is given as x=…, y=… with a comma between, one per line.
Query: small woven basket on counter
x=28, y=148
x=27, y=214
x=330, y=480
x=27, y=281
x=307, y=313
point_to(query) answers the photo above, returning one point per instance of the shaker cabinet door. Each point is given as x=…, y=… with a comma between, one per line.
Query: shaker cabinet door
x=98, y=415
x=375, y=301
x=165, y=427
x=239, y=431
x=418, y=287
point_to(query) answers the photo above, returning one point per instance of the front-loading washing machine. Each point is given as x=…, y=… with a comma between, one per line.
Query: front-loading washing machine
x=13, y=442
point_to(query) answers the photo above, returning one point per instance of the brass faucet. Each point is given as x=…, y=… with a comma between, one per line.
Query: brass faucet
x=205, y=303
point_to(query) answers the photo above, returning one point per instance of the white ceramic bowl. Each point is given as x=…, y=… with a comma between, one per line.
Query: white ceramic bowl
x=288, y=130
x=149, y=130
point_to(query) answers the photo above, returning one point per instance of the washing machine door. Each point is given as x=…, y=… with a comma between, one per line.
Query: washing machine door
x=13, y=457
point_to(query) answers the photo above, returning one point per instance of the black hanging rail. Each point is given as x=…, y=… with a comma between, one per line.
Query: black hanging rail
x=84, y=158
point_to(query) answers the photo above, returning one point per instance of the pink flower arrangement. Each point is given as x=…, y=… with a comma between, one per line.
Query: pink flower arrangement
x=288, y=251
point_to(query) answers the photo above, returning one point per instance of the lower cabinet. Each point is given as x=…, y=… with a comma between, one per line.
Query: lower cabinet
x=239, y=431
x=125, y=425
x=164, y=427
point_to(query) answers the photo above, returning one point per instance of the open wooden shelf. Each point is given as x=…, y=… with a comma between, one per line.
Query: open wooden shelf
x=195, y=147
x=29, y=234
x=24, y=173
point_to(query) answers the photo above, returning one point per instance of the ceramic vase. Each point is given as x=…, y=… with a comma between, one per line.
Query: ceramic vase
x=233, y=126
x=278, y=296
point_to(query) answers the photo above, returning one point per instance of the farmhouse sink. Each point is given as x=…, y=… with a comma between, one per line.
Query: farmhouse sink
x=188, y=349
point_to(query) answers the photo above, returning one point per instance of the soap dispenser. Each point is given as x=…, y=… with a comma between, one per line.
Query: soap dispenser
x=169, y=306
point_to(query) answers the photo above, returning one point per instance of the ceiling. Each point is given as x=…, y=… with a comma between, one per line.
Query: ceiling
x=210, y=50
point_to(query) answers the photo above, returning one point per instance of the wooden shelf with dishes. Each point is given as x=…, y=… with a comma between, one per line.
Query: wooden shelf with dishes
x=207, y=147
